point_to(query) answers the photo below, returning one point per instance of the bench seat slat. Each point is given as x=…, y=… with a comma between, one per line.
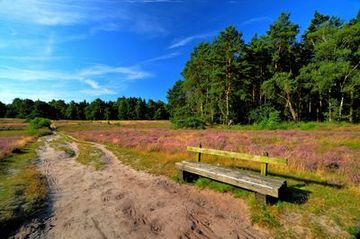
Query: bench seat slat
x=241, y=178
x=245, y=174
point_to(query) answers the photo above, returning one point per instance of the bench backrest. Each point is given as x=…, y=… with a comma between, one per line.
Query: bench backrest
x=264, y=160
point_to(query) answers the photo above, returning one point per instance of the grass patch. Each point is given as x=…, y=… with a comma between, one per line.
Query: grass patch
x=89, y=155
x=157, y=163
x=62, y=144
x=263, y=215
x=7, y=133
x=23, y=190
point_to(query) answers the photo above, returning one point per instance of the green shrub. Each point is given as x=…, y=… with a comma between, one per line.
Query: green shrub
x=39, y=127
x=272, y=122
x=191, y=122
x=38, y=123
x=260, y=114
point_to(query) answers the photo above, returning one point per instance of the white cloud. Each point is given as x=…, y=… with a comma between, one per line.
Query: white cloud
x=256, y=20
x=163, y=57
x=19, y=74
x=187, y=40
x=44, y=12
x=103, y=15
x=128, y=73
x=137, y=23
x=91, y=76
x=122, y=73
x=92, y=83
x=98, y=92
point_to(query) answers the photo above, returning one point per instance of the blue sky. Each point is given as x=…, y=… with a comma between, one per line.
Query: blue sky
x=87, y=49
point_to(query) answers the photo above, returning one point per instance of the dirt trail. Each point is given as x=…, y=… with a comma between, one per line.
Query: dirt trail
x=119, y=202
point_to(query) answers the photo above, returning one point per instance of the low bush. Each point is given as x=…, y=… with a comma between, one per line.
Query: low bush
x=272, y=121
x=191, y=123
x=38, y=123
x=260, y=114
x=39, y=127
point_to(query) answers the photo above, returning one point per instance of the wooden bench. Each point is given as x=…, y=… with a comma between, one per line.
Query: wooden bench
x=263, y=185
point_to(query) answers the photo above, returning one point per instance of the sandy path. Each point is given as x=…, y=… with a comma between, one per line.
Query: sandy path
x=119, y=202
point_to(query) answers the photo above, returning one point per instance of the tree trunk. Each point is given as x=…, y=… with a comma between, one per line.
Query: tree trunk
x=341, y=105
x=292, y=111
x=320, y=107
x=291, y=108
x=227, y=107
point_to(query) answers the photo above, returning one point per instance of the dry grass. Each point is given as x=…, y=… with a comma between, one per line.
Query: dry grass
x=12, y=124
x=10, y=143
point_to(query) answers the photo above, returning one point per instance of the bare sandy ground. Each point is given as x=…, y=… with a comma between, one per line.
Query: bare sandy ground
x=119, y=202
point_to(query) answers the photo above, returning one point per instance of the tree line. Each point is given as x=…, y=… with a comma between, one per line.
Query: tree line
x=122, y=109
x=312, y=77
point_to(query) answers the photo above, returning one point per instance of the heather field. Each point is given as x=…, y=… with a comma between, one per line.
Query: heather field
x=12, y=135
x=323, y=173
x=329, y=153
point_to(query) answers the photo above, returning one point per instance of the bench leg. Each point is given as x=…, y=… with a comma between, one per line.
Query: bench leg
x=181, y=175
x=261, y=198
x=186, y=176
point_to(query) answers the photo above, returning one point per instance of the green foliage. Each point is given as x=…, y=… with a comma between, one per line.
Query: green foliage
x=3, y=109
x=191, y=122
x=260, y=114
x=39, y=127
x=123, y=109
x=272, y=121
x=315, y=79
x=38, y=123
x=354, y=231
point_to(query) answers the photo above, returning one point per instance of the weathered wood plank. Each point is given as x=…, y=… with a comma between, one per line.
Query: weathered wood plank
x=240, y=178
x=243, y=156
